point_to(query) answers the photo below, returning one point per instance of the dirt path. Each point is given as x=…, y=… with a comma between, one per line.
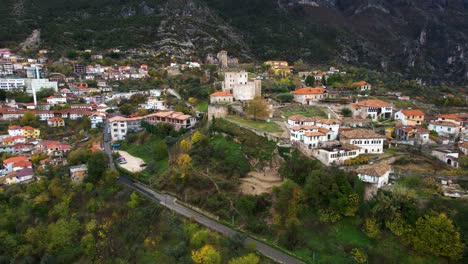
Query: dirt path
x=133, y=163
x=258, y=182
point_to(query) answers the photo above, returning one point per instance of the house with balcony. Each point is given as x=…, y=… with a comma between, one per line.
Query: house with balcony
x=368, y=141
x=373, y=109
x=309, y=96
x=410, y=117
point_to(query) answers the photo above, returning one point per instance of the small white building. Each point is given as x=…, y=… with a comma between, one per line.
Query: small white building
x=154, y=103
x=221, y=97
x=447, y=125
x=363, y=86
x=96, y=119
x=335, y=155
x=368, y=141
x=56, y=100
x=300, y=120
x=447, y=156
x=376, y=174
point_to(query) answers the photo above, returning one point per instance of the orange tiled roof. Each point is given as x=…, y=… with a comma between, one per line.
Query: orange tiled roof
x=313, y=134
x=361, y=83
x=297, y=128
x=15, y=159
x=220, y=94
x=374, y=170
x=412, y=112
x=374, y=103
x=309, y=90
x=360, y=133
x=448, y=116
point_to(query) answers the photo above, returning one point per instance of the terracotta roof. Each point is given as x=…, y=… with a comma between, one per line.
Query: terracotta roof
x=324, y=130
x=374, y=170
x=412, y=112
x=303, y=118
x=55, y=119
x=448, y=116
x=329, y=121
x=463, y=145
x=221, y=94
x=361, y=83
x=15, y=159
x=349, y=147
x=297, y=128
x=374, y=103
x=28, y=128
x=360, y=133
x=309, y=90
x=14, y=127
x=313, y=134
x=444, y=123
x=25, y=172
x=22, y=164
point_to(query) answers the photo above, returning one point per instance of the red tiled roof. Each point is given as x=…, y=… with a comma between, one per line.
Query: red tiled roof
x=361, y=83
x=412, y=112
x=15, y=159
x=221, y=94
x=374, y=103
x=309, y=90
x=360, y=133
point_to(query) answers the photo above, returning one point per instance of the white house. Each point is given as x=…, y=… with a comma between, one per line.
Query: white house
x=297, y=132
x=15, y=131
x=331, y=124
x=376, y=174
x=447, y=125
x=154, y=103
x=336, y=154
x=315, y=138
x=221, y=97
x=363, y=86
x=56, y=100
x=300, y=120
x=368, y=141
x=374, y=109
x=308, y=95
x=96, y=119
x=447, y=156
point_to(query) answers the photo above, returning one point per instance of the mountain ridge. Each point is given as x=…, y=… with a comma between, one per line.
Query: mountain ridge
x=425, y=40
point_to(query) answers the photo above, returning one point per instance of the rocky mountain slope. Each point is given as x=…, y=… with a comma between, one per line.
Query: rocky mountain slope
x=425, y=39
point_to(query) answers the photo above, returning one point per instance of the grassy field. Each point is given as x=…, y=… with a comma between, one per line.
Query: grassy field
x=202, y=106
x=307, y=111
x=270, y=127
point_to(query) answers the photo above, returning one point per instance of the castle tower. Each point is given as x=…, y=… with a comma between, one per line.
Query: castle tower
x=223, y=59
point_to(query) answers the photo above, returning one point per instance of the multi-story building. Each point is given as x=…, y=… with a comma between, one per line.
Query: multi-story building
x=120, y=126
x=363, y=86
x=238, y=84
x=11, y=84
x=281, y=68
x=300, y=120
x=6, y=68
x=56, y=122
x=447, y=125
x=56, y=100
x=373, y=109
x=410, y=117
x=368, y=141
x=26, y=131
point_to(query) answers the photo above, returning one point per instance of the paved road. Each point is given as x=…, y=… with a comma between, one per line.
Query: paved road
x=170, y=202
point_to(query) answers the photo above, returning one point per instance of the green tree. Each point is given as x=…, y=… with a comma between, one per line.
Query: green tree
x=206, y=255
x=247, y=259
x=258, y=109
x=29, y=119
x=184, y=164
x=185, y=146
x=134, y=200
x=310, y=80
x=97, y=164
x=160, y=150
x=126, y=109
x=61, y=233
x=285, y=97
x=436, y=234
x=196, y=137
x=358, y=256
x=346, y=112
x=203, y=237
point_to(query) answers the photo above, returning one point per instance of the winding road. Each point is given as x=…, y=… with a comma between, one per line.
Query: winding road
x=171, y=203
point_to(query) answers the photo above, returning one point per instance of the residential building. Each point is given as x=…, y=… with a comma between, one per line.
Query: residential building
x=309, y=96
x=463, y=147
x=363, y=86
x=368, y=141
x=447, y=125
x=300, y=120
x=26, y=131
x=12, y=84
x=410, y=117
x=221, y=97
x=16, y=164
x=56, y=122
x=281, y=68
x=238, y=84
x=335, y=154
x=54, y=148
x=56, y=100
x=120, y=126
x=40, y=84
x=78, y=173
x=411, y=133
x=23, y=175
x=376, y=174
x=373, y=109
x=96, y=119
x=6, y=68
x=447, y=156
x=154, y=103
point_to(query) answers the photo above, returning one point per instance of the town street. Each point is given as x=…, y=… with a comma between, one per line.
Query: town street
x=170, y=202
